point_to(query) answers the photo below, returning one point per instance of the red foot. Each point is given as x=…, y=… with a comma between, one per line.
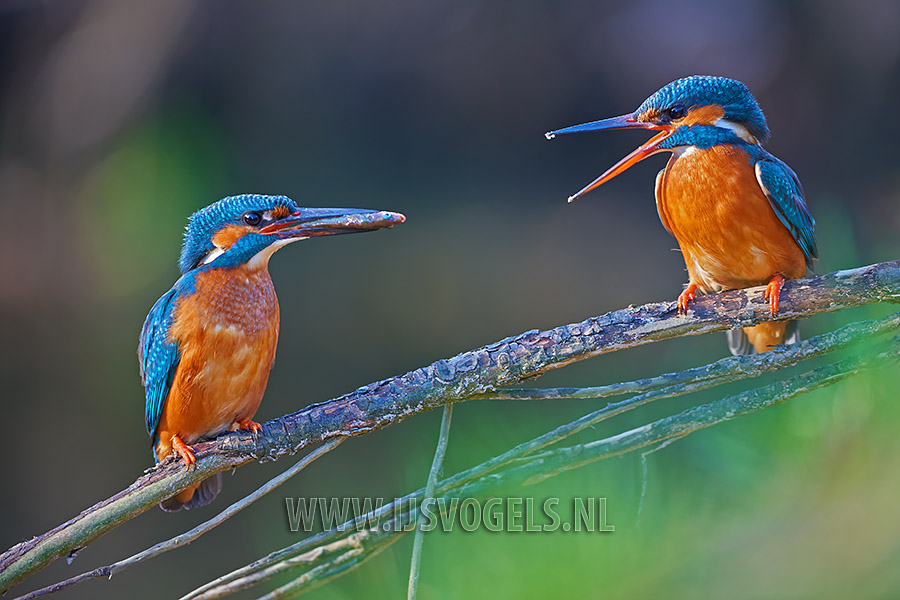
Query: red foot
x=686, y=296
x=773, y=292
x=184, y=451
x=248, y=424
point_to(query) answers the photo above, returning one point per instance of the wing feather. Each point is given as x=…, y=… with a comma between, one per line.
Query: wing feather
x=782, y=187
x=158, y=357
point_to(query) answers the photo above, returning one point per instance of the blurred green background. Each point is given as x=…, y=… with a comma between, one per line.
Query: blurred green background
x=120, y=119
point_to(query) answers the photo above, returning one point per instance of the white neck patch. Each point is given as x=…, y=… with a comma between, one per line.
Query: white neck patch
x=213, y=255
x=739, y=130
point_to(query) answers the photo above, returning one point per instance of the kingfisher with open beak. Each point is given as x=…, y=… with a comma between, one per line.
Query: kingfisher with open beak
x=737, y=212
x=208, y=343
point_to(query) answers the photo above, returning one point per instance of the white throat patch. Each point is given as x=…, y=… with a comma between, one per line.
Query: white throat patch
x=261, y=258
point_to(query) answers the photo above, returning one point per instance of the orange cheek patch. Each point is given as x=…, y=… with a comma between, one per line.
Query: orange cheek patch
x=226, y=238
x=649, y=116
x=703, y=115
x=280, y=212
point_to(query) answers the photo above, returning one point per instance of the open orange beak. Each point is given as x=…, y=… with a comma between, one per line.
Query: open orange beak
x=623, y=122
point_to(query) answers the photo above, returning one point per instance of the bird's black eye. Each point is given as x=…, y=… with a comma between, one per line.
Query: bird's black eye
x=676, y=112
x=252, y=218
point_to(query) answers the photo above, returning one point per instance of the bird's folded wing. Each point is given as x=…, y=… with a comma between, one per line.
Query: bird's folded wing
x=780, y=185
x=158, y=357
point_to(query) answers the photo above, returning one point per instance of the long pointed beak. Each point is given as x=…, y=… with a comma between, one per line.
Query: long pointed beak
x=315, y=222
x=623, y=122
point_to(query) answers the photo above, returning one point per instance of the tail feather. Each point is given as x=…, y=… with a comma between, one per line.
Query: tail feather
x=738, y=342
x=792, y=332
x=762, y=337
x=195, y=496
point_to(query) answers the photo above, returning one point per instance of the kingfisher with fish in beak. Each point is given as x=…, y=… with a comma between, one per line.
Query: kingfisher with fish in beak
x=208, y=344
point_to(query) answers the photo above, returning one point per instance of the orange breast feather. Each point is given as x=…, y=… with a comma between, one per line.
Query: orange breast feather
x=227, y=333
x=729, y=235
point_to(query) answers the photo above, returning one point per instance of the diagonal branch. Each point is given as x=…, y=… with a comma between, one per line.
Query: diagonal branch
x=536, y=468
x=480, y=371
x=740, y=367
x=189, y=536
x=731, y=368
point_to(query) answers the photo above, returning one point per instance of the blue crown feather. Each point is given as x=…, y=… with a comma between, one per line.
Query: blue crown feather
x=204, y=223
x=703, y=90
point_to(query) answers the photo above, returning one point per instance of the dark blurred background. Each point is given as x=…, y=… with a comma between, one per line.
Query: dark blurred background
x=121, y=119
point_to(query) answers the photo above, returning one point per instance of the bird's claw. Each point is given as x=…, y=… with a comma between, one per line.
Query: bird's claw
x=773, y=292
x=685, y=298
x=249, y=425
x=184, y=451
